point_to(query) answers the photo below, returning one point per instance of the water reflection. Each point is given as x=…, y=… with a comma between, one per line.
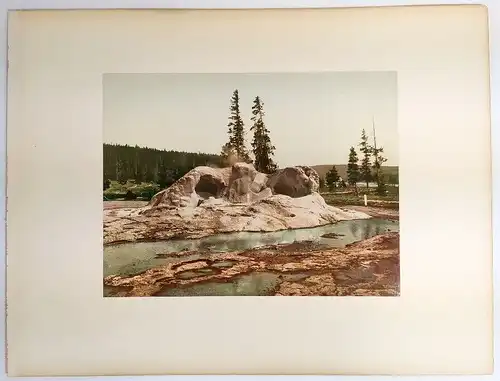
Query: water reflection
x=132, y=258
x=353, y=228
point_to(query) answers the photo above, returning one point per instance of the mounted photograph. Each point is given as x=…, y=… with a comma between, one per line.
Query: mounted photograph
x=272, y=184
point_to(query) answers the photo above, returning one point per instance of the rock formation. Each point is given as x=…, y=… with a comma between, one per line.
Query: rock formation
x=199, y=183
x=294, y=181
x=209, y=200
x=241, y=183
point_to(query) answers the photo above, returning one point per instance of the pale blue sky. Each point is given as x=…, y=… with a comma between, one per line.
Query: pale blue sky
x=313, y=117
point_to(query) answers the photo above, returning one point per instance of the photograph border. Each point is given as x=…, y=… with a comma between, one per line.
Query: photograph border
x=138, y=118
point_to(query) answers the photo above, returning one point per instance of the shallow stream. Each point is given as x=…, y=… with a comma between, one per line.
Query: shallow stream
x=135, y=257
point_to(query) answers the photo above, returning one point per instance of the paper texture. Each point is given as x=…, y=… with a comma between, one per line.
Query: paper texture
x=58, y=321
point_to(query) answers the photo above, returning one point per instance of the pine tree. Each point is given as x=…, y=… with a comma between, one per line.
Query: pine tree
x=365, y=170
x=106, y=184
x=155, y=174
x=378, y=160
x=332, y=176
x=263, y=150
x=163, y=174
x=236, y=132
x=138, y=172
x=353, y=174
x=321, y=183
x=147, y=175
x=121, y=176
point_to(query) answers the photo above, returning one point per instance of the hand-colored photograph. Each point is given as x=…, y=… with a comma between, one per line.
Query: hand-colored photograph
x=276, y=184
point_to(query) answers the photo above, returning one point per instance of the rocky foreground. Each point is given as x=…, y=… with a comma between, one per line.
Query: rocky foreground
x=209, y=201
x=369, y=267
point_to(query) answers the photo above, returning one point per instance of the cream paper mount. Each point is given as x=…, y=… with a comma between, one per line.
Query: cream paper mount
x=58, y=321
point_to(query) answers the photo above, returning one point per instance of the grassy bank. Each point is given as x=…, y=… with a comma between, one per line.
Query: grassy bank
x=343, y=197
x=130, y=191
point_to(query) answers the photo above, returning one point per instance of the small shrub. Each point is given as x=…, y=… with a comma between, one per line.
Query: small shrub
x=130, y=195
x=148, y=194
x=106, y=184
x=114, y=195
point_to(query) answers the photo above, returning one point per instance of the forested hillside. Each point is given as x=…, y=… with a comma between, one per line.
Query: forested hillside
x=124, y=162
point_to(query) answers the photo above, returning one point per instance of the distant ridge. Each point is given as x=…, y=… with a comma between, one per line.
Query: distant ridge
x=342, y=169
